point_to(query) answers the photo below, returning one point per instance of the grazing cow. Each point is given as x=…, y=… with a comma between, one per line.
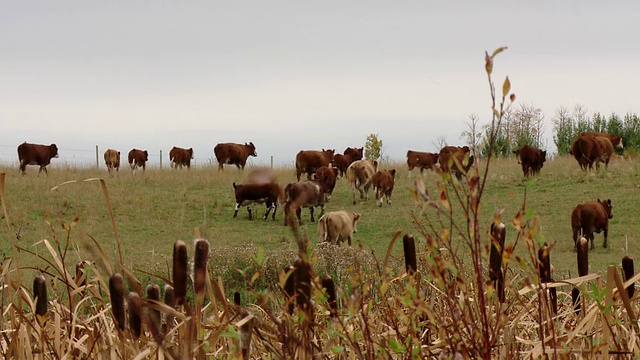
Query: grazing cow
x=180, y=157
x=589, y=149
x=354, y=153
x=337, y=226
x=359, y=175
x=531, y=159
x=616, y=141
x=308, y=193
x=308, y=161
x=112, y=159
x=448, y=164
x=138, y=158
x=234, y=154
x=331, y=174
x=247, y=194
x=383, y=182
x=423, y=160
x=590, y=217
x=36, y=154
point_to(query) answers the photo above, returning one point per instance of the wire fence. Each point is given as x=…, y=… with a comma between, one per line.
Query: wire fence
x=95, y=158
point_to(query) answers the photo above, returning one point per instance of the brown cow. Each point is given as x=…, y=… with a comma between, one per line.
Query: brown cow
x=616, y=141
x=112, y=159
x=592, y=149
x=341, y=162
x=180, y=157
x=36, y=154
x=531, y=159
x=359, y=175
x=308, y=161
x=591, y=217
x=337, y=226
x=383, y=182
x=331, y=174
x=355, y=153
x=268, y=193
x=234, y=154
x=308, y=193
x=448, y=164
x=138, y=158
x=423, y=160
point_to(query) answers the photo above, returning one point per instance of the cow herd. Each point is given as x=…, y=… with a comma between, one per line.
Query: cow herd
x=324, y=167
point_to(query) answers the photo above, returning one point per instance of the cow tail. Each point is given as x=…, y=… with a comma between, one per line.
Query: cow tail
x=322, y=229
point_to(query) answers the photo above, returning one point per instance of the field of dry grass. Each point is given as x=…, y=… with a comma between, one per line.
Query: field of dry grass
x=153, y=210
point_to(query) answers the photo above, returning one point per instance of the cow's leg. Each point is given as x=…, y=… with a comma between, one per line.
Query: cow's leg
x=353, y=191
x=249, y=210
x=591, y=238
x=299, y=215
x=349, y=239
x=604, y=245
x=389, y=197
x=220, y=166
x=311, y=211
x=275, y=208
x=235, y=212
x=266, y=214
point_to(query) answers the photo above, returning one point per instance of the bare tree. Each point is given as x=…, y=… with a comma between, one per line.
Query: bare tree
x=440, y=142
x=474, y=133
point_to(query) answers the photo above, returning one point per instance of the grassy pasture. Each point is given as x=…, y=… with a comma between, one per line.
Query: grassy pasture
x=154, y=209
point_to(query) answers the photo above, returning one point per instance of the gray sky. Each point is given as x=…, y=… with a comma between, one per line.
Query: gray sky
x=292, y=75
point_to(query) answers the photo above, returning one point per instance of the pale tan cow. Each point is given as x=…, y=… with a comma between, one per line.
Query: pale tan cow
x=359, y=175
x=337, y=226
x=112, y=159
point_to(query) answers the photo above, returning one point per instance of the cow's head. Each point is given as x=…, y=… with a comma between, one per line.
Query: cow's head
x=543, y=156
x=393, y=173
x=355, y=217
x=252, y=148
x=53, y=151
x=617, y=139
x=146, y=155
x=606, y=204
x=191, y=153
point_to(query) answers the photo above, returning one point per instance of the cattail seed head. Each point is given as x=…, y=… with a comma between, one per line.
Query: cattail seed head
x=170, y=301
x=303, y=284
x=627, y=268
x=545, y=264
x=575, y=299
x=236, y=298
x=40, y=294
x=582, y=248
x=154, y=316
x=116, y=293
x=200, y=259
x=497, y=247
x=328, y=284
x=135, y=314
x=180, y=271
x=409, y=253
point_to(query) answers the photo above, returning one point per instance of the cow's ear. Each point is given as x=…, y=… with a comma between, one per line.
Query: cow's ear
x=234, y=185
x=609, y=201
x=393, y=172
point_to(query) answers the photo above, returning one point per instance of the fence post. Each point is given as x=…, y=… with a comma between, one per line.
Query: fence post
x=97, y=158
x=272, y=161
x=160, y=159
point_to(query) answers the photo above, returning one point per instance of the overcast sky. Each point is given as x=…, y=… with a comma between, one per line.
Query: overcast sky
x=292, y=75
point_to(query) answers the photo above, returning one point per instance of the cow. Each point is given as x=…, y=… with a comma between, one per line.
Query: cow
x=112, y=159
x=180, y=157
x=267, y=193
x=423, y=160
x=383, y=182
x=309, y=193
x=448, y=164
x=36, y=154
x=359, y=175
x=531, y=159
x=590, y=217
x=341, y=162
x=337, y=226
x=138, y=158
x=308, y=161
x=616, y=141
x=590, y=149
x=331, y=174
x=234, y=154
x=354, y=153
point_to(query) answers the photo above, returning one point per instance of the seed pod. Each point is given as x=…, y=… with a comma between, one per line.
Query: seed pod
x=545, y=264
x=200, y=259
x=627, y=268
x=409, y=253
x=290, y=287
x=575, y=299
x=303, y=284
x=582, y=249
x=180, y=271
x=116, y=293
x=81, y=277
x=154, y=316
x=40, y=294
x=236, y=298
x=327, y=283
x=170, y=301
x=135, y=314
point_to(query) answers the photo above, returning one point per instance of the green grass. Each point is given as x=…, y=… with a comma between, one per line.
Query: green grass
x=154, y=209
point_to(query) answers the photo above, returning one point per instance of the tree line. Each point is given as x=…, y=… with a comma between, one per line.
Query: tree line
x=525, y=124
